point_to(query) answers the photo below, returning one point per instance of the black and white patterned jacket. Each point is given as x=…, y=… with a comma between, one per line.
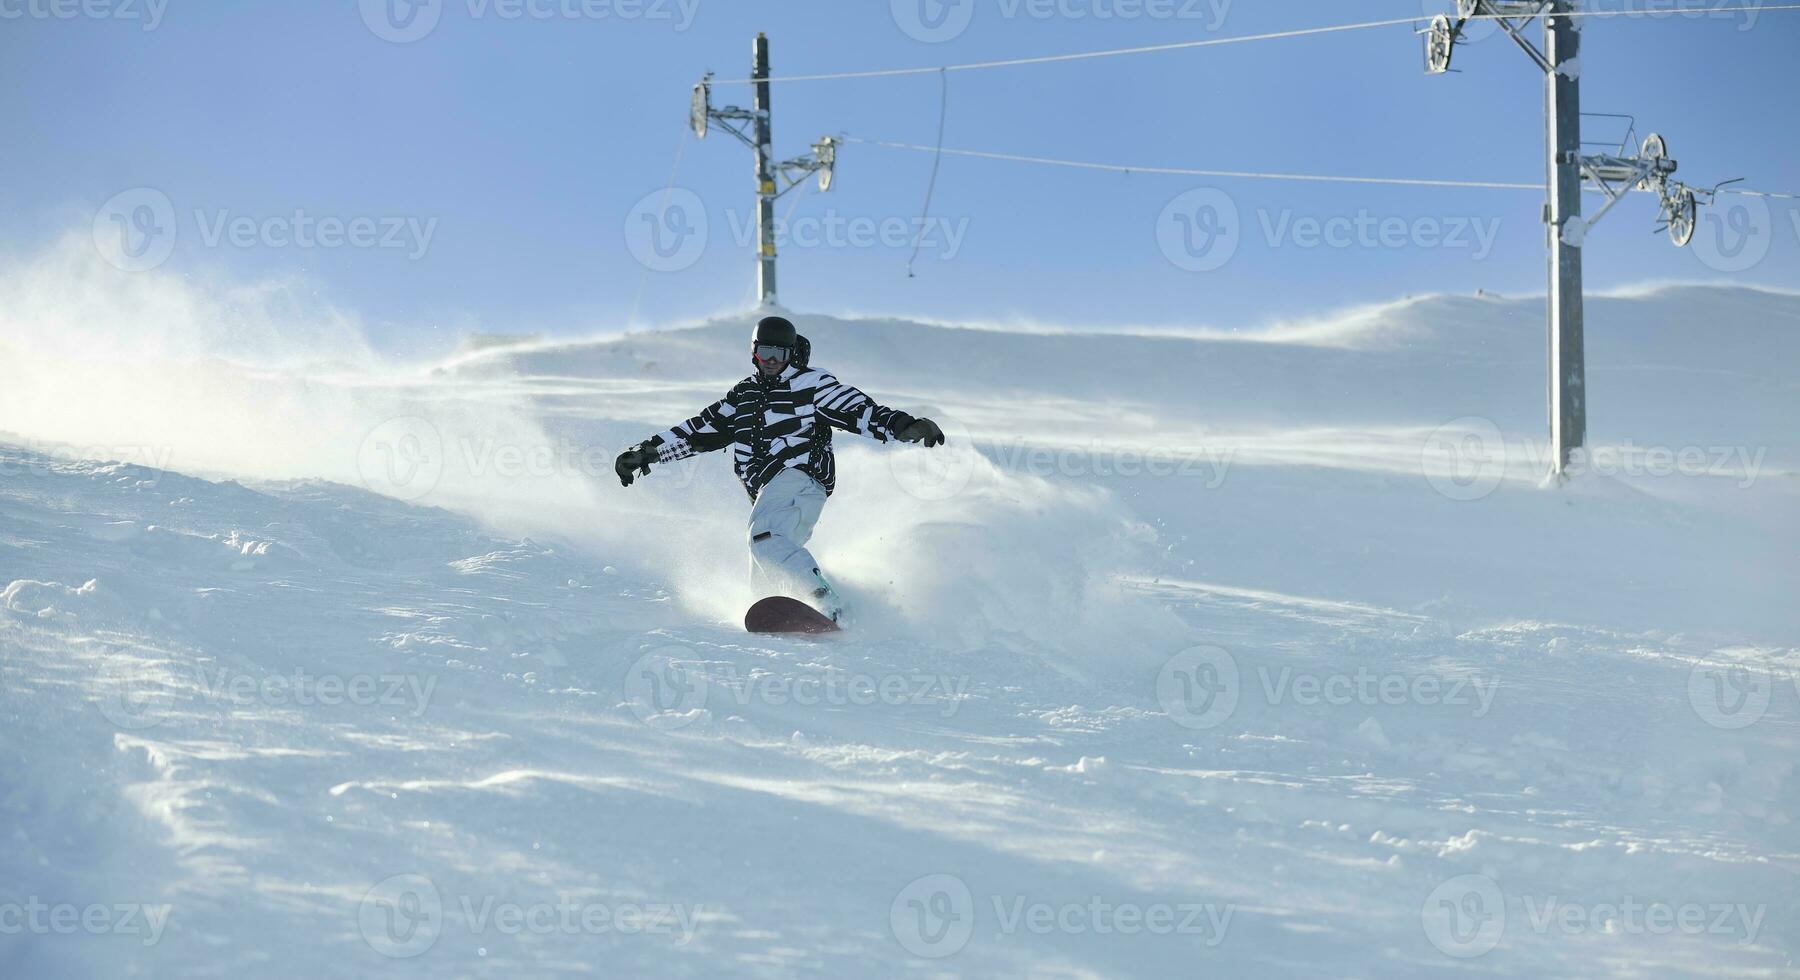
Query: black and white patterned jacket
x=776, y=423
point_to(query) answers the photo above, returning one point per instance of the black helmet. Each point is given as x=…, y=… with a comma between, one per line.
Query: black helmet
x=774, y=331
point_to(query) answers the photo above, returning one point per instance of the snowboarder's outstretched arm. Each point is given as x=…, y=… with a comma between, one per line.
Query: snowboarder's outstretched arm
x=701, y=434
x=844, y=407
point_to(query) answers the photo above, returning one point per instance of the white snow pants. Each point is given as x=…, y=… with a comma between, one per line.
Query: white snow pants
x=780, y=523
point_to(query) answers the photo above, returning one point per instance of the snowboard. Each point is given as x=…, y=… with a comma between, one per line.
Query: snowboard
x=780, y=614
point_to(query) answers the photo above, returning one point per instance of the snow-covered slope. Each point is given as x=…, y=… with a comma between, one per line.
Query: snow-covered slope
x=1392, y=454
x=1214, y=653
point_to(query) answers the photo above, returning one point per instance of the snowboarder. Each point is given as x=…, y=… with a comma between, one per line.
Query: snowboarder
x=778, y=422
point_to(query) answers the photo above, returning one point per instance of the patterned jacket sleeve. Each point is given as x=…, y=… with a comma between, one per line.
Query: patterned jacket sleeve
x=703, y=433
x=846, y=408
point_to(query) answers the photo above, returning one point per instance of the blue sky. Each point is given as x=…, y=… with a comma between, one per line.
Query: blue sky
x=493, y=165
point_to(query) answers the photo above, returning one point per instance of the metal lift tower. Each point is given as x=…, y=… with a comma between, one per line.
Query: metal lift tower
x=821, y=160
x=1644, y=168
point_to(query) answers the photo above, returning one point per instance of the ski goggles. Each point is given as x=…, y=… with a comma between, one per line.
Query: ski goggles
x=772, y=352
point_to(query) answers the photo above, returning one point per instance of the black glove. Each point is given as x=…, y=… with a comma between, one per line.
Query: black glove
x=922, y=430
x=632, y=463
